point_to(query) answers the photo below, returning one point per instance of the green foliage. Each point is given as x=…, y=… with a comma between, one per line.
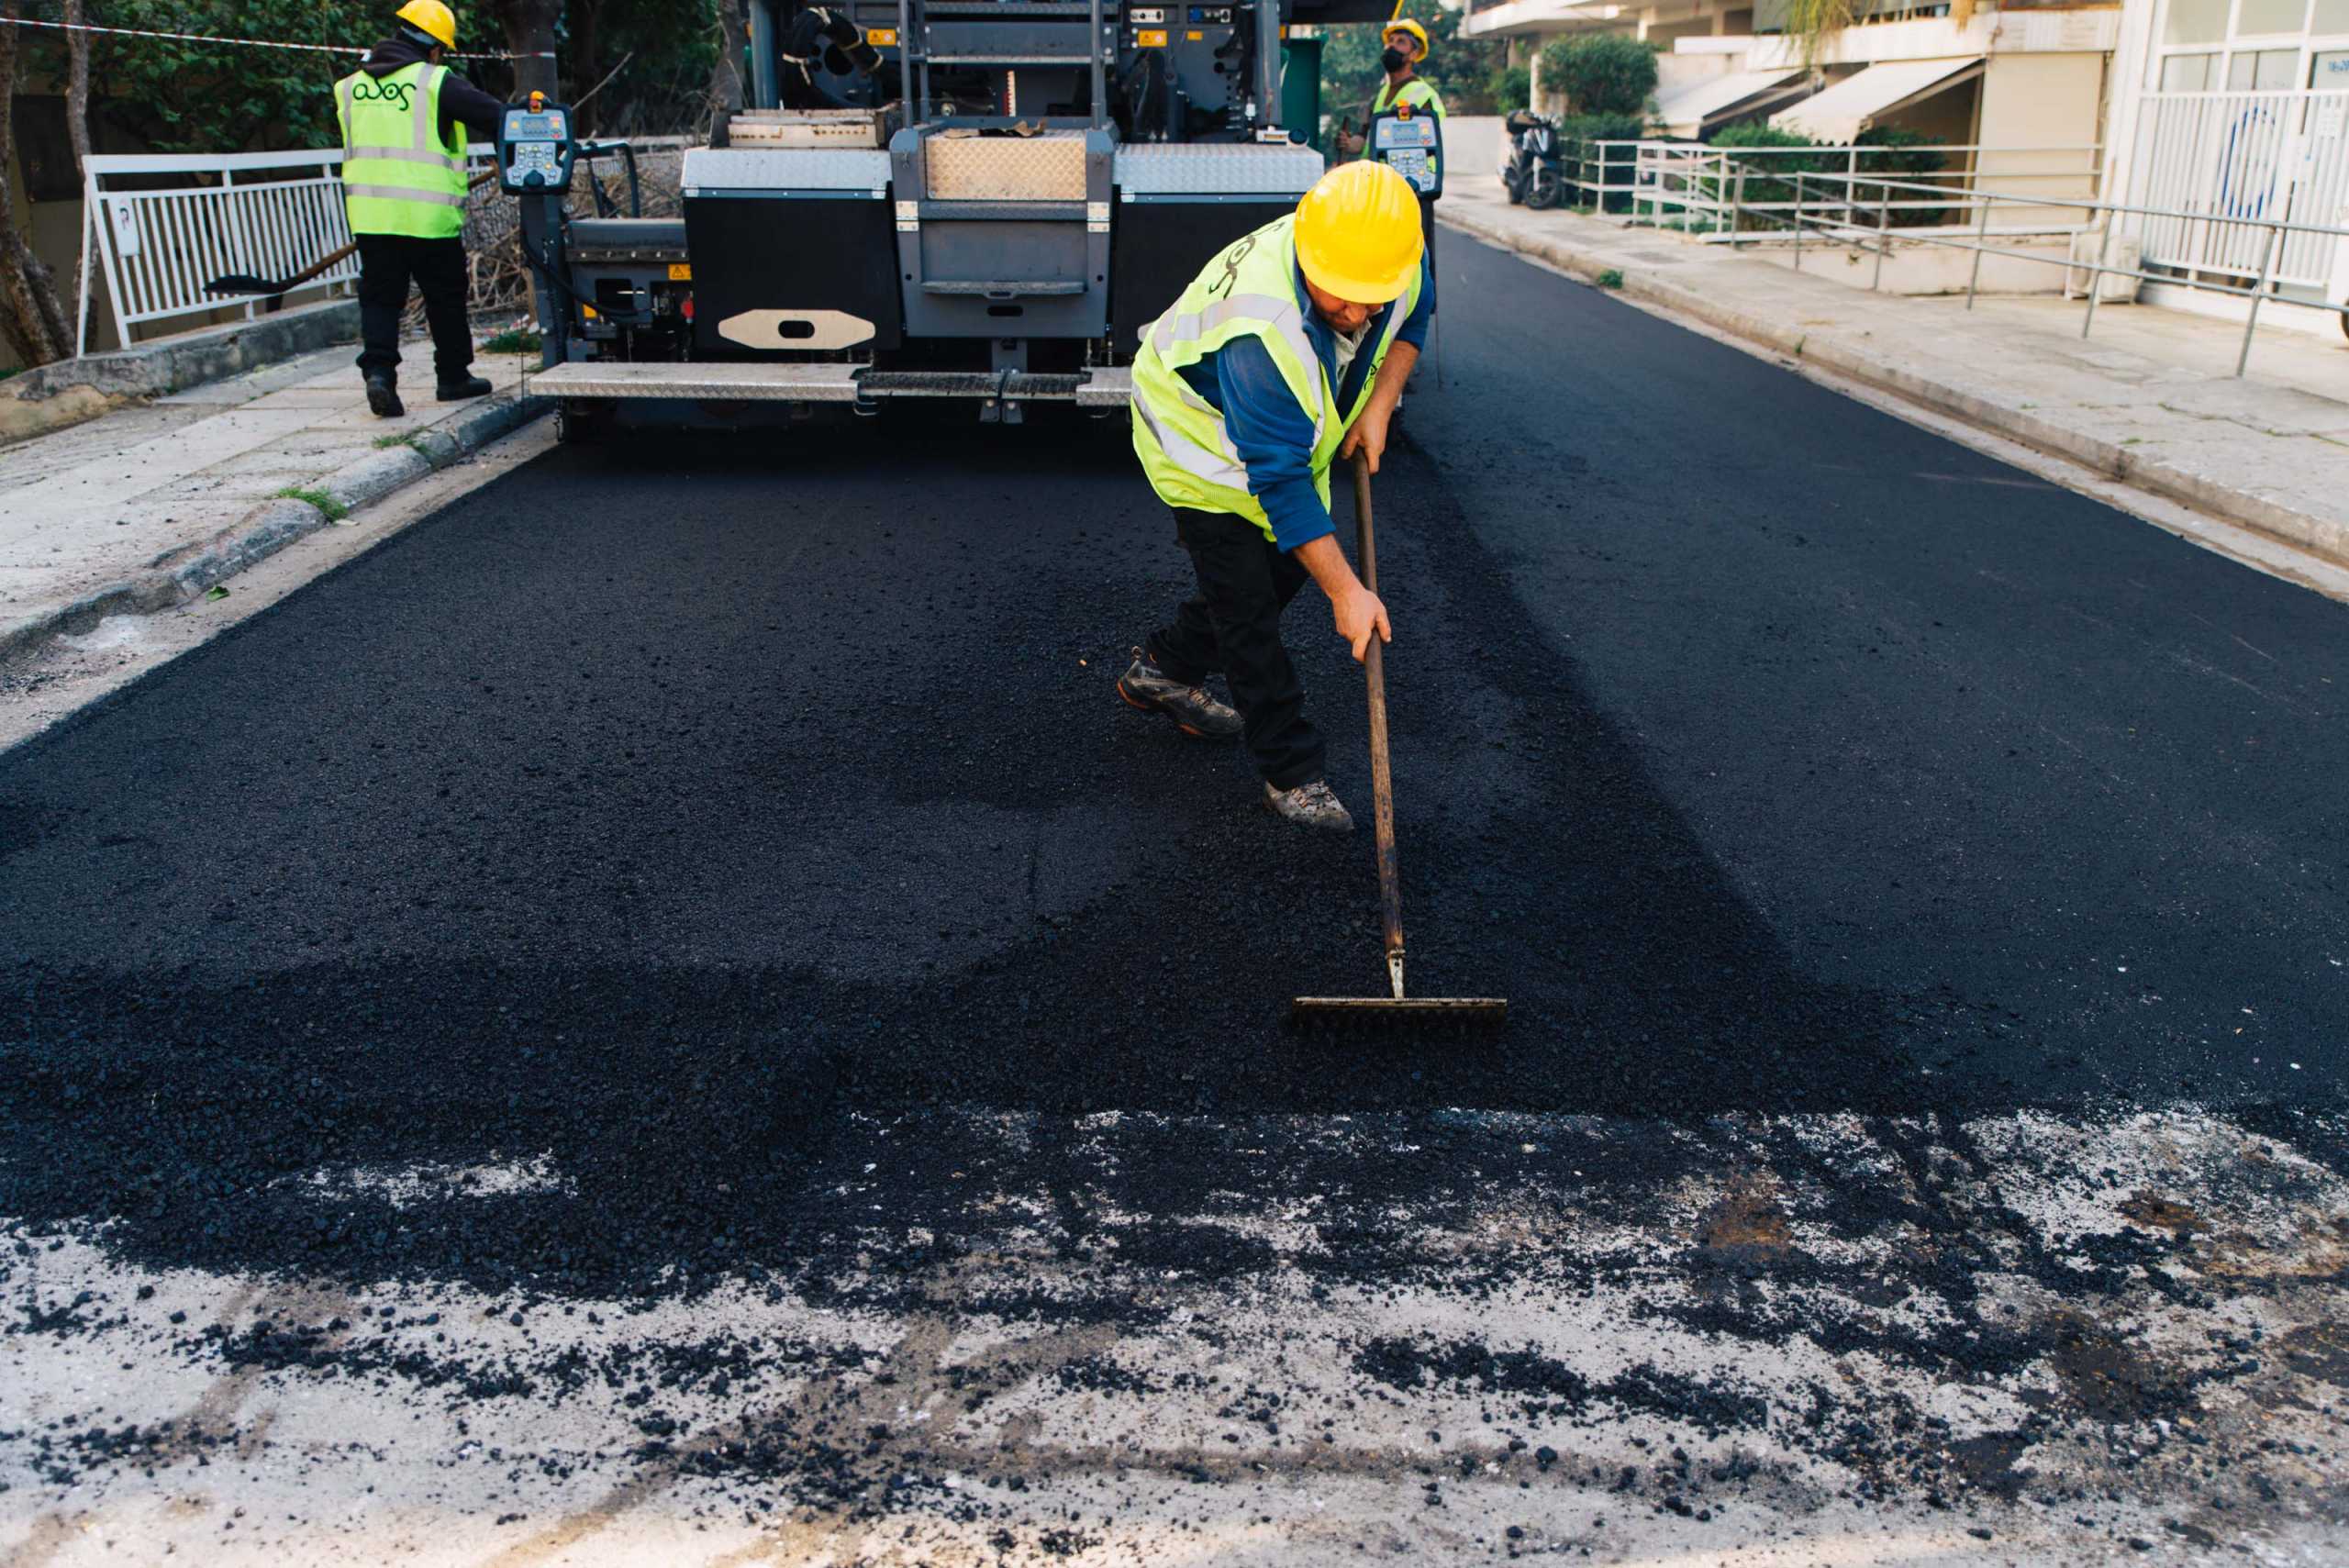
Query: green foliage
x=1886, y=149
x=1600, y=73
x=1511, y=87
x=1461, y=68
x=1612, y=278
x=335, y=510
x=1813, y=22
x=513, y=341
x=1602, y=166
x=197, y=98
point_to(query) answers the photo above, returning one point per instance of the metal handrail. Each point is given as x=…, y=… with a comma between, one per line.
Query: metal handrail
x=2276, y=229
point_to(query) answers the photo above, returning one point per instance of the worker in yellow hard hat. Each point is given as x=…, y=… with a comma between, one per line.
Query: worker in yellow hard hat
x=404, y=118
x=1287, y=353
x=1403, y=127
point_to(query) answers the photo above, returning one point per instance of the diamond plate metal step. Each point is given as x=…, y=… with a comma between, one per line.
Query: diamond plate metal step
x=723, y=383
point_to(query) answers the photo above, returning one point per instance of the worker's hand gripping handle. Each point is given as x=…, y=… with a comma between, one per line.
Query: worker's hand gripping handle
x=1382, y=784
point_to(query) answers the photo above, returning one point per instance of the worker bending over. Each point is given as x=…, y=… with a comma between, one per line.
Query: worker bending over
x=1289, y=351
x=403, y=117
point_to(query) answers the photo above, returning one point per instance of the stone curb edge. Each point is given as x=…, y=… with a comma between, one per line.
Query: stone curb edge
x=51, y=397
x=269, y=528
x=2324, y=538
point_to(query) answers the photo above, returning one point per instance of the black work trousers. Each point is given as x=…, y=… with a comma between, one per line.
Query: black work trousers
x=1232, y=625
x=387, y=262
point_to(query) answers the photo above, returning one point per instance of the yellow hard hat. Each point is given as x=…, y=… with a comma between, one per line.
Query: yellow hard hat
x=1405, y=25
x=432, y=17
x=1358, y=233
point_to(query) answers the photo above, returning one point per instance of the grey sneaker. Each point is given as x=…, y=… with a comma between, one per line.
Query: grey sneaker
x=1310, y=805
x=1145, y=686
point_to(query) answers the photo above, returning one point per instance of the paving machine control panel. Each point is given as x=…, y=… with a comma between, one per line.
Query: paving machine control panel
x=535, y=150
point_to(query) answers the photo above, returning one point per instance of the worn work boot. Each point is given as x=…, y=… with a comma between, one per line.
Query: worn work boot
x=384, y=396
x=458, y=391
x=1310, y=805
x=1147, y=687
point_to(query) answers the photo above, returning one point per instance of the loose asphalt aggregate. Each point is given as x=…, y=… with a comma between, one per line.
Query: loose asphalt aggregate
x=659, y=816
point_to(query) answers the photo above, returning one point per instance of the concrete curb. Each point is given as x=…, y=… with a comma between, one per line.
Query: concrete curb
x=2323, y=537
x=183, y=574
x=53, y=396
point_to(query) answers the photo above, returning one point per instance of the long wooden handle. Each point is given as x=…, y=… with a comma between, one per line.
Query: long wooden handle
x=1381, y=782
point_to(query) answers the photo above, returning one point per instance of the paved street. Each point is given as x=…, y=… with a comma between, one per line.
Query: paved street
x=666, y=1013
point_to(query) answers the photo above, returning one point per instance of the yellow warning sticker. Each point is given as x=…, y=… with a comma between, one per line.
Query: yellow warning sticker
x=681, y=271
x=880, y=37
x=1193, y=38
x=1151, y=37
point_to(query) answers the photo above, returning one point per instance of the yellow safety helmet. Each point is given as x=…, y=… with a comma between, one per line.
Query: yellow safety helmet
x=431, y=19
x=1358, y=233
x=1405, y=25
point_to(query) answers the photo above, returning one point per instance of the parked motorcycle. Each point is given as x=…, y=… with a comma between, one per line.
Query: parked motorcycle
x=1534, y=173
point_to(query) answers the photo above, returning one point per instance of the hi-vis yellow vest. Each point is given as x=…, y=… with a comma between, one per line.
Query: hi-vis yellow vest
x=1248, y=291
x=397, y=176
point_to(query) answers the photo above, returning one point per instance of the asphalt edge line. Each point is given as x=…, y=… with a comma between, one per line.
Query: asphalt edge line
x=181, y=575
x=2323, y=538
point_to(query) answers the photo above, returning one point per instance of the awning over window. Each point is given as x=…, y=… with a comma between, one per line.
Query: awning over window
x=1689, y=109
x=1838, y=114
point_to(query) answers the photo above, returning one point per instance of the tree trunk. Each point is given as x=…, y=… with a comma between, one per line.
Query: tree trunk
x=31, y=317
x=528, y=26
x=587, y=61
x=726, y=75
x=77, y=88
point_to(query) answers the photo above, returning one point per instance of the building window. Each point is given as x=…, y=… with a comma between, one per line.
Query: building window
x=2195, y=21
x=2258, y=18
x=2266, y=70
x=2186, y=72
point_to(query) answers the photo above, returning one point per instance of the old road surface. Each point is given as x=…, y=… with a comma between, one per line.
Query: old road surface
x=667, y=1015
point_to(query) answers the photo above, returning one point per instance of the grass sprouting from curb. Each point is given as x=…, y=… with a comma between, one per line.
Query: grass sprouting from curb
x=335, y=510
x=395, y=438
x=513, y=341
x=1612, y=278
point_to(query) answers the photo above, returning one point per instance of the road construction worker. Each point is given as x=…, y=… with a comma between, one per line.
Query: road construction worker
x=405, y=116
x=1287, y=352
x=1403, y=127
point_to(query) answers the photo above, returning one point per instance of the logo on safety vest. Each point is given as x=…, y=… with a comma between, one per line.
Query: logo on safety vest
x=1403, y=111
x=385, y=92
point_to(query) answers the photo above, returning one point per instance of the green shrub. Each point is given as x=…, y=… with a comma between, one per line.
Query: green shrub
x=513, y=341
x=1885, y=149
x=1601, y=74
x=1610, y=165
x=1511, y=87
x=1612, y=278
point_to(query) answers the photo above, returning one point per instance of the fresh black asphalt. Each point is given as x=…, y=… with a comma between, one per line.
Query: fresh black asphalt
x=651, y=808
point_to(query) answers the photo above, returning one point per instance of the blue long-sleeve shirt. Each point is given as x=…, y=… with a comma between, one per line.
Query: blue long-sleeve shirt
x=1273, y=435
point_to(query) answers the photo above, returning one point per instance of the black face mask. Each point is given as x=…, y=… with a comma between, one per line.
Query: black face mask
x=1392, y=59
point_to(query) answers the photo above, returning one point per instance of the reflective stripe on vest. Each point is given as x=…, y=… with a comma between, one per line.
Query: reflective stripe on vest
x=1249, y=291
x=399, y=176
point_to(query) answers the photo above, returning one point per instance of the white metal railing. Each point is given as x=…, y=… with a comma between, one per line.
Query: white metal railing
x=260, y=212
x=2247, y=157
x=1704, y=188
x=1836, y=207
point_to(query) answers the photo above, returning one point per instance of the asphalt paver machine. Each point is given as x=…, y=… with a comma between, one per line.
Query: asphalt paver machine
x=982, y=200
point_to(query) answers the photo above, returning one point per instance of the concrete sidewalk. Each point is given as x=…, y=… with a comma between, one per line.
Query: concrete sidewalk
x=2150, y=399
x=151, y=503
